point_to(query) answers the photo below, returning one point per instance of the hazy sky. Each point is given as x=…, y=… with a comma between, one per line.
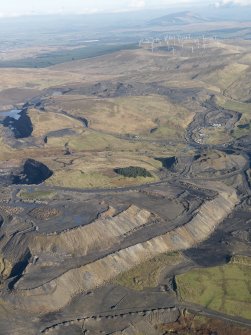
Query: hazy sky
x=26, y=7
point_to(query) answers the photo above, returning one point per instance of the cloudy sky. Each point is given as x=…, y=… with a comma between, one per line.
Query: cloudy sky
x=27, y=7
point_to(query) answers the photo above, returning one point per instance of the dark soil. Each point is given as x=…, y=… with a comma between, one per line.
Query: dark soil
x=168, y=162
x=22, y=127
x=33, y=172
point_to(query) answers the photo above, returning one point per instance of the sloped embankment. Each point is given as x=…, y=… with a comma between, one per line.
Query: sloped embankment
x=101, y=234
x=14, y=246
x=59, y=292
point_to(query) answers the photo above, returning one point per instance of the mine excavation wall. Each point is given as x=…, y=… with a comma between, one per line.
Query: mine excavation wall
x=101, y=234
x=5, y=268
x=14, y=253
x=59, y=292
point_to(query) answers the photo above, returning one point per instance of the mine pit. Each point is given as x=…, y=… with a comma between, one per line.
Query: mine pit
x=168, y=162
x=19, y=122
x=123, y=172
x=32, y=173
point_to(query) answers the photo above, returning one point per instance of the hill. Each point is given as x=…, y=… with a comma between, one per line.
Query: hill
x=179, y=18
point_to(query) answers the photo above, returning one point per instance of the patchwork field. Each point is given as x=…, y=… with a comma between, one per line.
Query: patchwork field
x=225, y=288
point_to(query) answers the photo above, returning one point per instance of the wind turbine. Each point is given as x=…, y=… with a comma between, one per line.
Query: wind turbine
x=152, y=45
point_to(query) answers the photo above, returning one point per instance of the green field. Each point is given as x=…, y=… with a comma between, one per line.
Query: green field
x=226, y=289
x=241, y=107
x=147, y=274
x=37, y=195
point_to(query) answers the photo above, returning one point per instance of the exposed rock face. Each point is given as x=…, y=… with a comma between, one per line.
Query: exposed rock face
x=101, y=234
x=33, y=172
x=5, y=268
x=15, y=255
x=58, y=292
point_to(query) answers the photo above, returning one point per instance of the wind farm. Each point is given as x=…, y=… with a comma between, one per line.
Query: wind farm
x=125, y=172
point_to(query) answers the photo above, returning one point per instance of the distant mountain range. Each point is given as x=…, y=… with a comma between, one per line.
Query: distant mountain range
x=180, y=18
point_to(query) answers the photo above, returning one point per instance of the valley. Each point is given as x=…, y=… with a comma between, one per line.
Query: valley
x=125, y=186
